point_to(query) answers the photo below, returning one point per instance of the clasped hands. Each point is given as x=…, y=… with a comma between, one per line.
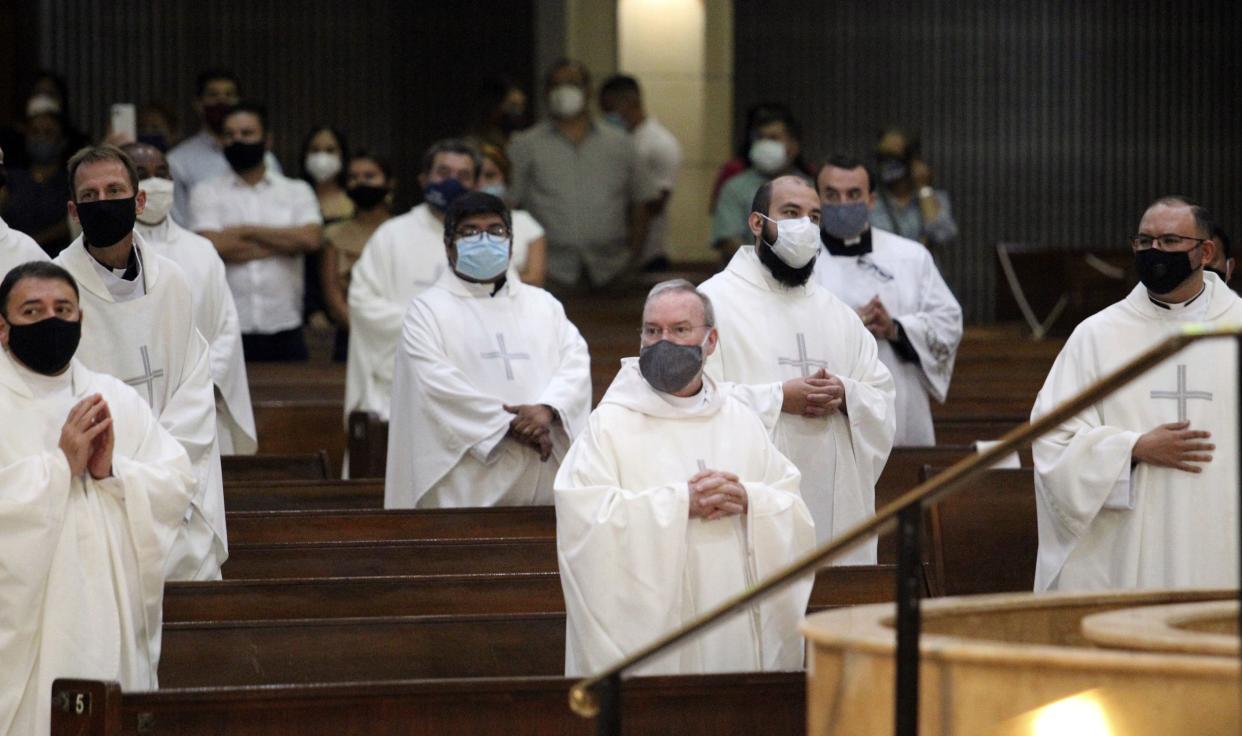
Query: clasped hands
x=715, y=494
x=817, y=395
x=532, y=426
x=87, y=438
x=877, y=320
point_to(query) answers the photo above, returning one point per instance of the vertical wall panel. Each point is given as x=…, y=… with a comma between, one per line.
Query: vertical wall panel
x=393, y=75
x=1051, y=121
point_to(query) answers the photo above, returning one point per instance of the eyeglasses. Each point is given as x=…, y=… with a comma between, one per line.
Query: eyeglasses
x=474, y=234
x=1168, y=241
x=651, y=333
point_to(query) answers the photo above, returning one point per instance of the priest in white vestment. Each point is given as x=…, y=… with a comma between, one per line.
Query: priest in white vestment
x=215, y=314
x=402, y=258
x=673, y=500
x=778, y=325
x=92, y=494
x=492, y=381
x=1141, y=490
x=142, y=331
x=894, y=285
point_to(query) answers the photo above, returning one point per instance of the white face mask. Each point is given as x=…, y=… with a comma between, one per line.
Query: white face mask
x=566, y=100
x=768, y=156
x=797, y=241
x=159, y=200
x=322, y=165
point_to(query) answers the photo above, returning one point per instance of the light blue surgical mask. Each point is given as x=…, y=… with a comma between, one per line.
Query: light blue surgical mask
x=496, y=190
x=482, y=257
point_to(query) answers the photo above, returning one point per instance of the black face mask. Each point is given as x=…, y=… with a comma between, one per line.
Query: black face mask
x=47, y=346
x=1162, y=272
x=243, y=157
x=106, y=221
x=366, y=196
x=670, y=367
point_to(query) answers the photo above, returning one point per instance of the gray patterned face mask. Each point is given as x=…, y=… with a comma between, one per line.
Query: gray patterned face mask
x=669, y=367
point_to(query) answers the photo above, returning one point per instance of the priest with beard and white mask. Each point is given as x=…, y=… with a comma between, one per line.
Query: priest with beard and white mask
x=16, y=247
x=778, y=326
x=1130, y=493
x=492, y=381
x=403, y=257
x=673, y=500
x=215, y=314
x=92, y=494
x=894, y=285
x=142, y=331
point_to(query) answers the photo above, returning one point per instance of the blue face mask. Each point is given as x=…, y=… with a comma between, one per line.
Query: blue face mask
x=441, y=194
x=482, y=257
x=614, y=118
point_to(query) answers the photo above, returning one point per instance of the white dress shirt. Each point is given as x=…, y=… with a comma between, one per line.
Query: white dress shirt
x=268, y=291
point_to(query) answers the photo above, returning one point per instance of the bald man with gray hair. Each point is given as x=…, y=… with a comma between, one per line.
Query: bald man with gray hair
x=677, y=481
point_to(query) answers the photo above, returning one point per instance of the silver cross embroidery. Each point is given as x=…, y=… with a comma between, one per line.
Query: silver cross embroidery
x=1181, y=395
x=148, y=378
x=803, y=363
x=506, y=356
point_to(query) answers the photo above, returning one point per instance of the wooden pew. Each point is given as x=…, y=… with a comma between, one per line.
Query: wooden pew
x=303, y=495
x=984, y=538
x=368, y=445
x=270, y=527
x=691, y=705
x=956, y=431
x=417, y=557
x=250, y=468
x=299, y=426
x=320, y=598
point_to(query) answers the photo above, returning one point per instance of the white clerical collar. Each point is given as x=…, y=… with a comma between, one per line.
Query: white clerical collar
x=4, y=229
x=480, y=291
x=748, y=264
x=121, y=289
x=696, y=401
x=1194, y=309
x=41, y=386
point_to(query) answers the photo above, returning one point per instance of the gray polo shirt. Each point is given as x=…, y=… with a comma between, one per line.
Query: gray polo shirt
x=581, y=194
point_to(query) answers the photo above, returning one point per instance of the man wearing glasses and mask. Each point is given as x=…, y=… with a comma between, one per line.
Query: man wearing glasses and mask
x=492, y=381
x=672, y=500
x=1141, y=489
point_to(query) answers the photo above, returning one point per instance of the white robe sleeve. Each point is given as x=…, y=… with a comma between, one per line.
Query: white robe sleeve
x=779, y=530
x=622, y=554
x=435, y=402
x=228, y=366
x=1080, y=466
x=189, y=415
x=569, y=390
x=870, y=398
x=374, y=331
x=765, y=399
x=33, y=495
x=934, y=330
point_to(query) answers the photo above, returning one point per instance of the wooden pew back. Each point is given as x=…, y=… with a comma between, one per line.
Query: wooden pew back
x=416, y=557
x=303, y=495
x=270, y=527
x=251, y=468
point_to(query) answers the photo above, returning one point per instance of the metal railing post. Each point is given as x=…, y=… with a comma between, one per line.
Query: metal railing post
x=909, y=623
x=608, y=722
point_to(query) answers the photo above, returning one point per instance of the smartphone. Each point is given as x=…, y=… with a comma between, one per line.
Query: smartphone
x=124, y=123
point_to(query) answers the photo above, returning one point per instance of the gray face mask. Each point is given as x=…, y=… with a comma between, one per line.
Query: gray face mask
x=843, y=221
x=669, y=367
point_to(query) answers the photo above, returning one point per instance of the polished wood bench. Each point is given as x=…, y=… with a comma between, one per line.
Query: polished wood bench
x=300, y=466
x=378, y=525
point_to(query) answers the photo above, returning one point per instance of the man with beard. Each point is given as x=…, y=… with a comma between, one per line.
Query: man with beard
x=776, y=325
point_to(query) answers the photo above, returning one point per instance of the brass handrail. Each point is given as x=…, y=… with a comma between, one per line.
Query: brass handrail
x=582, y=696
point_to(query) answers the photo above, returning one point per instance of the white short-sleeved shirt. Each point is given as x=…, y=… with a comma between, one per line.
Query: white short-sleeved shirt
x=268, y=291
x=526, y=230
x=660, y=156
x=17, y=248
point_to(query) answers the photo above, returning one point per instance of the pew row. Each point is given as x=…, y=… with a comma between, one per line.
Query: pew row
x=271, y=527
x=252, y=468
x=693, y=705
x=425, y=595
x=303, y=495
x=416, y=557
x=301, y=426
